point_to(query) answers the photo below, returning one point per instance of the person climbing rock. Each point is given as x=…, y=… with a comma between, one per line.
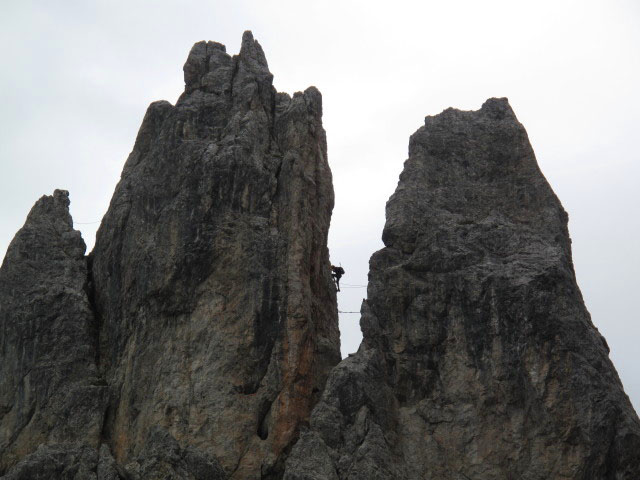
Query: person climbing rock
x=336, y=273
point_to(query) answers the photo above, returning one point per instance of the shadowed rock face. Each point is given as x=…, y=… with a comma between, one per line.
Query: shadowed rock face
x=218, y=318
x=479, y=359
x=50, y=394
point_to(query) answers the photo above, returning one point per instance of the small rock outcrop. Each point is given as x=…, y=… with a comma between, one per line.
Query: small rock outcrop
x=52, y=400
x=479, y=359
x=217, y=311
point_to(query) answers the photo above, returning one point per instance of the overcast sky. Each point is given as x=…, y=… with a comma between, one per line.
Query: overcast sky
x=76, y=78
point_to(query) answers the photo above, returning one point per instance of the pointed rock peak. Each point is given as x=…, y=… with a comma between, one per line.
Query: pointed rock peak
x=48, y=374
x=247, y=38
x=210, y=68
x=497, y=108
x=59, y=199
x=61, y=196
x=195, y=66
x=47, y=232
x=54, y=206
x=201, y=50
x=204, y=58
x=251, y=51
x=314, y=100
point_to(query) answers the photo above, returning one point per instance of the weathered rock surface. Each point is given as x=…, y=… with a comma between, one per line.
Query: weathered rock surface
x=211, y=272
x=50, y=391
x=479, y=359
x=162, y=457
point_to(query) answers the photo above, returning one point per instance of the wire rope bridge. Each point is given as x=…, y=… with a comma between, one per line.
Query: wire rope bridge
x=350, y=285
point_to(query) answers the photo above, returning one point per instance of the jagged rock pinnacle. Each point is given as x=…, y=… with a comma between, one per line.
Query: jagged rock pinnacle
x=211, y=270
x=50, y=391
x=251, y=52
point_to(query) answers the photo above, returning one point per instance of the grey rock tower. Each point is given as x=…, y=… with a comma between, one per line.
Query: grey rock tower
x=218, y=317
x=52, y=400
x=479, y=359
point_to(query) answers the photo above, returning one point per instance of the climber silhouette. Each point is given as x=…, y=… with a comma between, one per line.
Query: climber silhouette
x=336, y=273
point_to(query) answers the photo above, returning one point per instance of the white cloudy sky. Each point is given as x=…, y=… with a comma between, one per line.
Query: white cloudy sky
x=77, y=76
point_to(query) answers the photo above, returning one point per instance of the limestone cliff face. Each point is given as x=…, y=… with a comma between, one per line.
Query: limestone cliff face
x=218, y=318
x=51, y=397
x=479, y=359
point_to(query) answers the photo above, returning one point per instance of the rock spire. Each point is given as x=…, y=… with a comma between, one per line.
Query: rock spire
x=218, y=318
x=52, y=400
x=479, y=359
